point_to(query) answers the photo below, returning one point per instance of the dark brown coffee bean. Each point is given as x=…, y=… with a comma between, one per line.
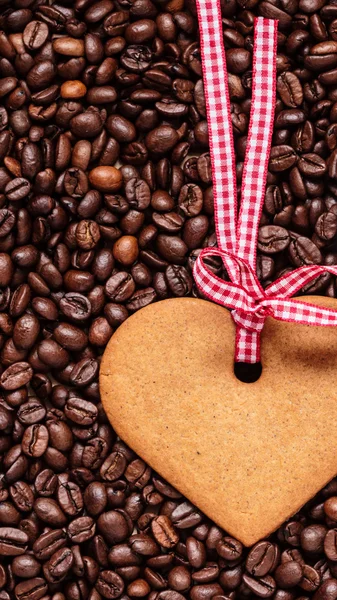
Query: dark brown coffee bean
x=288, y=574
x=13, y=542
x=87, y=234
x=261, y=559
x=109, y=585
x=32, y=589
x=113, y=467
x=273, y=239
x=52, y=354
x=120, y=287
x=264, y=587
x=281, y=158
x=49, y=512
x=59, y=564
x=22, y=496
x=312, y=165
x=17, y=189
x=35, y=34
x=161, y=139
x=48, y=543
x=114, y=526
x=311, y=579
x=26, y=565
x=15, y=376
x=70, y=337
x=81, y=529
x=35, y=440
x=26, y=331
x=164, y=532
x=330, y=548
x=303, y=251
x=75, y=306
x=41, y=75
x=80, y=411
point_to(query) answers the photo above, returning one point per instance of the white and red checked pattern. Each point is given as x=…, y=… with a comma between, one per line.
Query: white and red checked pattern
x=237, y=237
x=219, y=115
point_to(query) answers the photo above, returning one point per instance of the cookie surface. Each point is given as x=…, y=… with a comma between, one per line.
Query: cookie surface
x=248, y=455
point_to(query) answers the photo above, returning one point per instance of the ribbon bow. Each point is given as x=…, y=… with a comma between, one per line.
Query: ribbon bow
x=237, y=237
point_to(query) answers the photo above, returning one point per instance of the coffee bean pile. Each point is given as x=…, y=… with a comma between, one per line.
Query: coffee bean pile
x=105, y=203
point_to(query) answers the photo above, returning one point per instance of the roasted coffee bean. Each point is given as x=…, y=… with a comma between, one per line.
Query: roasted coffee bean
x=26, y=331
x=33, y=589
x=288, y=574
x=87, y=234
x=326, y=226
x=303, y=251
x=125, y=250
x=13, y=542
x=164, y=532
x=113, y=467
x=17, y=189
x=81, y=529
x=22, y=496
x=26, y=566
x=46, y=483
x=312, y=165
x=49, y=512
x=141, y=298
x=330, y=547
x=290, y=89
x=31, y=412
x=311, y=579
x=16, y=376
x=35, y=34
x=70, y=498
x=52, y=354
x=281, y=158
x=57, y=567
x=263, y=587
x=120, y=287
x=75, y=306
x=80, y=411
x=114, y=526
x=35, y=440
x=312, y=538
x=262, y=559
x=70, y=336
x=95, y=498
x=105, y=179
x=48, y=543
x=41, y=75
x=109, y=585
x=273, y=239
x=162, y=139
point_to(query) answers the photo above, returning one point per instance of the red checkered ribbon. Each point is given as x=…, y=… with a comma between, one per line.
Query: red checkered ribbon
x=237, y=237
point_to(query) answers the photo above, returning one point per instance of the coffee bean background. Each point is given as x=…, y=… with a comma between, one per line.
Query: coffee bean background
x=105, y=202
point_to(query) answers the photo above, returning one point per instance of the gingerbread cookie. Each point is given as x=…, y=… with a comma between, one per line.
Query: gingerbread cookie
x=248, y=455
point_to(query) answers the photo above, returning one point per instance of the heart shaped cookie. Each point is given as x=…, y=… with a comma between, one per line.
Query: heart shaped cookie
x=248, y=455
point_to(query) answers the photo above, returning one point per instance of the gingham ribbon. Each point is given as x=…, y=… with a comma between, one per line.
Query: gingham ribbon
x=237, y=236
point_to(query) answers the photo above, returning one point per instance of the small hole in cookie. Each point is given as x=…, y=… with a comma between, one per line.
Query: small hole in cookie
x=246, y=372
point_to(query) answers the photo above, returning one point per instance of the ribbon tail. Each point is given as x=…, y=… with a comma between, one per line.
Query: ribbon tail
x=293, y=282
x=295, y=311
